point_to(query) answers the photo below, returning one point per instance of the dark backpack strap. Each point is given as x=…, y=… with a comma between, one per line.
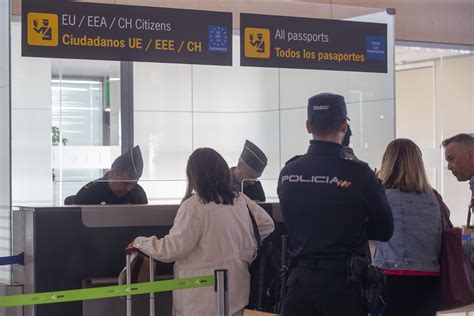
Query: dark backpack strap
x=255, y=229
x=262, y=261
x=444, y=211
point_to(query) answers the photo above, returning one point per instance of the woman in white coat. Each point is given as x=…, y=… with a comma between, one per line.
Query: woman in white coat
x=212, y=230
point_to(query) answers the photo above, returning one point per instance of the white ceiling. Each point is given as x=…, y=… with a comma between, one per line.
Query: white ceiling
x=411, y=54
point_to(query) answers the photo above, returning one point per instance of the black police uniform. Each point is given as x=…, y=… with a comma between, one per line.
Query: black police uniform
x=254, y=191
x=331, y=205
x=98, y=192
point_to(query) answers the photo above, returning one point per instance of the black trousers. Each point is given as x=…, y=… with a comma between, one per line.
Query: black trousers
x=411, y=296
x=321, y=292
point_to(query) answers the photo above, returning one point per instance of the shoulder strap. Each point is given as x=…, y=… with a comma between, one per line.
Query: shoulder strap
x=255, y=229
x=470, y=209
x=444, y=210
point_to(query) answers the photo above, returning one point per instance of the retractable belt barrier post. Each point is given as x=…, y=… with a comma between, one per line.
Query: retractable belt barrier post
x=222, y=292
x=151, y=270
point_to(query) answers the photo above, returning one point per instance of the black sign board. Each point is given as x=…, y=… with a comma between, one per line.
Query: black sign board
x=63, y=29
x=304, y=43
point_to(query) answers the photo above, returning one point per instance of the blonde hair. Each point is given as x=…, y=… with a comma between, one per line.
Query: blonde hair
x=403, y=168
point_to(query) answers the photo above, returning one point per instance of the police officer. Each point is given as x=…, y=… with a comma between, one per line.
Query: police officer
x=331, y=206
x=250, y=166
x=119, y=185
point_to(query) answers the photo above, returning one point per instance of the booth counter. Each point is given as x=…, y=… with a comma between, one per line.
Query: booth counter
x=83, y=246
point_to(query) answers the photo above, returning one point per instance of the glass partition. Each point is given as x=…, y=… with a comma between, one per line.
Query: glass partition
x=85, y=139
x=179, y=108
x=435, y=100
x=73, y=110
x=5, y=187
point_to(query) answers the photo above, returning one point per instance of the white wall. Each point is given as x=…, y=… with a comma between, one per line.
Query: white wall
x=31, y=126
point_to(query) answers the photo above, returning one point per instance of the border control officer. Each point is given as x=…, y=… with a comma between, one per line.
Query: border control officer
x=250, y=166
x=119, y=185
x=331, y=206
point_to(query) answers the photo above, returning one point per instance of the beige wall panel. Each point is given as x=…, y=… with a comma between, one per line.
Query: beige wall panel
x=455, y=102
x=415, y=115
x=455, y=95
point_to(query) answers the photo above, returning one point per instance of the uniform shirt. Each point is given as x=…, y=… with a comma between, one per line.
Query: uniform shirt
x=331, y=204
x=99, y=193
x=349, y=153
x=254, y=192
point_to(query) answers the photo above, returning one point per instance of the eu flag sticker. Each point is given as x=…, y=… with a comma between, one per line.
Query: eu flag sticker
x=218, y=38
x=375, y=47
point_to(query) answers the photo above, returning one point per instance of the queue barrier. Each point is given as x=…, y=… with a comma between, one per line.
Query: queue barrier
x=219, y=280
x=18, y=259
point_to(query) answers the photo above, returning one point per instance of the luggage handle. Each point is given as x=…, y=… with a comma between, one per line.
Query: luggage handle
x=129, y=251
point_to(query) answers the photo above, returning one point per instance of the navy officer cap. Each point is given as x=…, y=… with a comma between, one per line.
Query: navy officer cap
x=327, y=105
x=254, y=156
x=130, y=162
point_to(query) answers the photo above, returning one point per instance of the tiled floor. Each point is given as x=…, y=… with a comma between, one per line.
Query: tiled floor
x=464, y=311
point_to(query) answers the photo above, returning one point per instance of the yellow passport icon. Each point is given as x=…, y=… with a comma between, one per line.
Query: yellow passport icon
x=42, y=29
x=257, y=42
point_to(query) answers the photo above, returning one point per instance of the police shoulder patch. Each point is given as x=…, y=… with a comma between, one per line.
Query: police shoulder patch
x=89, y=185
x=293, y=159
x=356, y=161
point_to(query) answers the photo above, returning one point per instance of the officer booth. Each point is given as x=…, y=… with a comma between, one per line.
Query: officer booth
x=179, y=77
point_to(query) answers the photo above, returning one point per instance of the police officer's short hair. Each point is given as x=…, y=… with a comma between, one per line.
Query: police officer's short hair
x=326, y=113
x=465, y=139
x=325, y=126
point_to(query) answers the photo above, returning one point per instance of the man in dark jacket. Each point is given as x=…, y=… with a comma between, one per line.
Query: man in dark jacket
x=331, y=206
x=119, y=185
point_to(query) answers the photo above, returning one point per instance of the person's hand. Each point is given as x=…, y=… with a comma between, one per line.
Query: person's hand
x=130, y=247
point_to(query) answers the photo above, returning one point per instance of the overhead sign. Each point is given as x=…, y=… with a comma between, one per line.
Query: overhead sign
x=63, y=29
x=304, y=43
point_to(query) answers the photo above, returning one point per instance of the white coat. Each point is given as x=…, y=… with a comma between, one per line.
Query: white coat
x=205, y=237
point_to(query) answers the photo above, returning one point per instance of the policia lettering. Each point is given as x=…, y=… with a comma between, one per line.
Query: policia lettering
x=315, y=179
